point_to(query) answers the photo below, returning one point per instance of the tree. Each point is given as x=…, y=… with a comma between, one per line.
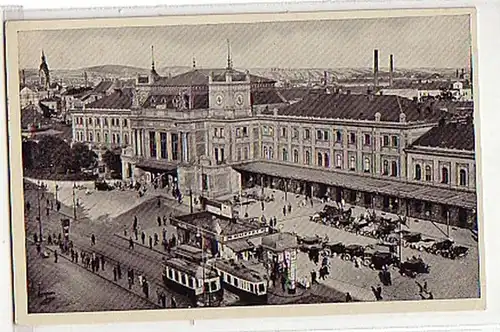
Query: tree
x=53, y=153
x=82, y=157
x=113, y=161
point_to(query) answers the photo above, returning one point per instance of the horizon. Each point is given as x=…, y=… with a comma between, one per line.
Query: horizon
x=415, y=42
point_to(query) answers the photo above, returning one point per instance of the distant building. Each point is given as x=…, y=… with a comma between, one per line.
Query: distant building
x=104, y=88
x=29, y=95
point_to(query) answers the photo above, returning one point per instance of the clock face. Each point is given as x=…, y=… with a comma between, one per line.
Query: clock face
x=239, y=99
x=218, y=99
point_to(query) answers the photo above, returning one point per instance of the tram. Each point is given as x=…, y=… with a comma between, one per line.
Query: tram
x=237, y=278
x=201, y=284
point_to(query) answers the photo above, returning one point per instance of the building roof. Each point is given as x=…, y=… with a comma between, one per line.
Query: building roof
x=239, y=270
x=280, y=241
x=73, y=91
x=212, y=223
x=294, y=93
x=103, y=86
x=266, y=97
x=363, y=183
x=456, y=135
x=119, y=99
x=200, y=77
x=31, y=116
x=153, y=100
x=361, y=107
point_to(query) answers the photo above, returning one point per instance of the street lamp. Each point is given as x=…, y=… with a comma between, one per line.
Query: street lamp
x=74, y=201
x=40, y=228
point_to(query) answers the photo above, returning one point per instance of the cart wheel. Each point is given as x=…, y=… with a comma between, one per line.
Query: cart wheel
x=405, y=244
x=367, y=262
x=347, y=257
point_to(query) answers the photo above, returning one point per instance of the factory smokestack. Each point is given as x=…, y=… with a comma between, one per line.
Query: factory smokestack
x=391, y=70
x=375, y=69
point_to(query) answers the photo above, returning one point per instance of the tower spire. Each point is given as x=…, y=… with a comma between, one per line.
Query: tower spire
x=229, y=60
x=152, y=58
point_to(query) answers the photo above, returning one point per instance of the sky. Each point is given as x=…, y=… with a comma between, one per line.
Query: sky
x=416, y=42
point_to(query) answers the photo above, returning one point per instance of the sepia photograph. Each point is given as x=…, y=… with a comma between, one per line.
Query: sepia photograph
x=266, y=163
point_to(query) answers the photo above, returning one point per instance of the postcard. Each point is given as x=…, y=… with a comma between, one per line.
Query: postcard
x=244, y=165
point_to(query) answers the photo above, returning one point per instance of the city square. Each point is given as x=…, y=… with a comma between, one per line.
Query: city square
x=226, y=184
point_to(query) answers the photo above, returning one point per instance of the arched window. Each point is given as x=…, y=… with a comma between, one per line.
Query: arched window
x=338, y=137
x=98, y=137
x=367, y=165
x=428, y=173
x=418, y=172
x=308, y=158
x=113, y=137
x=106, y=138
x=295, y=156
x=394, y=168
x=444, y=175
x=118, y=140
x=327, y=160
x=385, y=170
x=319, y=135
x=352, y=162
x=91, y=137
x=463, y=177
x=125, y=138
x=266, y=153
x=271, y=153
x=339, y=161
x=285, y=155
x=125, y=124
x=320, y=159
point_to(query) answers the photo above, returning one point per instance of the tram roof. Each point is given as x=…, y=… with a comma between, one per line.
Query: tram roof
x=193, y=269
x=239, y=270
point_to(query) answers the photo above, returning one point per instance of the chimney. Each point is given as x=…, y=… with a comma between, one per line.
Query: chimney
x=391, y=69
x=375, y=69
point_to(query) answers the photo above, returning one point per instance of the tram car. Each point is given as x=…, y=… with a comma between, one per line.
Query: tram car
x=247, y=283
x=201, y=284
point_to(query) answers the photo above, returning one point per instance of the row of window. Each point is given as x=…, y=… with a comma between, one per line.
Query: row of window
x=115, y=138
x=245, y=285
x=324, y=135
x=240, y=132
x=162, y=151
x=188, y=281
x=323, y=160
x=115, y=122
x=445, y=175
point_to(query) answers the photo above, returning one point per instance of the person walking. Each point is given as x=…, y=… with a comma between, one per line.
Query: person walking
x=115, y=274
x=143, y=238
x=92, y=240
x=284, y=210
x=159, y=221
x=49, y=240
x=56, y=255
x=145, y=287
x=102, y=262
x=130, y=243
x=313, y=278
x=76, y=257
x=119, y=271
x=164, y=220
x=157, y=239
x=150, y=242
x=135, y=224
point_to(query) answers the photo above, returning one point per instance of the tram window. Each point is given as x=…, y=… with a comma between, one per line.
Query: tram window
x=176, y=277
x=183, y=278
x=170, y=273
x=251, y=288
x=261, y=288
x=236, y=282
x=190, y=283
x=213, y=286
x=228, y=278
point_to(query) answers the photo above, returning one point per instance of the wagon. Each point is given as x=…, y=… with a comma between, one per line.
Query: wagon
x=335, y=249
x=441, y=246
x=381, y=259
x=456, y=252
x=422, y=245
x=412, y=237
x=353, y=250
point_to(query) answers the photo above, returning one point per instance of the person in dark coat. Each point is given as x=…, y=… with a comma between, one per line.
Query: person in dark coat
x=114, y=274
x=49, y=240
x=130, y=243
x=159, y=221
x=119, y=271
x=348, y=297
x=136, y=221
x=92, y=239
x=56, y=255
x=102, y=262
x=150, y=242
x=143, y=238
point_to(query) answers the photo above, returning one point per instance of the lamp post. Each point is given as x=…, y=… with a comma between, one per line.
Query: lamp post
x=40, y=228
x=191, y=200
x=74, y=201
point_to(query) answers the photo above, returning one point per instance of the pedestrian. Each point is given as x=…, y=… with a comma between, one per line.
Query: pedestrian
x=58, y=206
x=97, y=265
x=38, y=248
x=283, y=283
x=164, y=220
x=102, y=262
x=114, y=274
x=145, y=287
x=158, y=295
x=150, y=242
x=157, y=239
x=262, y=205
x=92, y=264
x=130, y=243
x=76, y=257
x=48, y=211
x=129, y=282
x=119, y=271
x=313, y=278
x=136, y=233
x=135, y=223
x=72, y=255
x=49, y=240
x=289, y=208
x=56, y=256
x=284, y=210
x=163, y=300
x=159, y=202
x=92, y=239
x=348, y=297
x=132, y=275
x=164, y=233
x=159, y=221
x=143, y=237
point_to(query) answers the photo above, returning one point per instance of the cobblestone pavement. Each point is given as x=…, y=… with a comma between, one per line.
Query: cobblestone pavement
x=447, y=279
x=67, y=287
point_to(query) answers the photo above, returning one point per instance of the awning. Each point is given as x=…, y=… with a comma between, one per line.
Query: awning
x=157, y=165
x=365, y=184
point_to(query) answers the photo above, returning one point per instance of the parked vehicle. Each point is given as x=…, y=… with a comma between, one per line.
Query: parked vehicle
x=456, y=252
x=413, y=267
x=353, y=251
